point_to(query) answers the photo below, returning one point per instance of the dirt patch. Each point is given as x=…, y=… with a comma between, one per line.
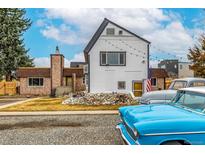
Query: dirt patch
x=42, y=124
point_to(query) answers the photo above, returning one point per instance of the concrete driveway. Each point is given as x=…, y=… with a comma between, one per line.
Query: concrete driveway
x=60, y=129
x=10, y=100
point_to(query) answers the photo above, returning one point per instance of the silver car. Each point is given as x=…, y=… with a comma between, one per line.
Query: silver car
x=165, y=96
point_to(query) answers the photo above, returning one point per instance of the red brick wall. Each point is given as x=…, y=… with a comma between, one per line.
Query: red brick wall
x=25, y=89
x=57, y=64
x=79, y=83
x=160, y=84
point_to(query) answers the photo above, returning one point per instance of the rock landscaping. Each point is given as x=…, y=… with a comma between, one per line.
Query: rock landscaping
x=100, y=99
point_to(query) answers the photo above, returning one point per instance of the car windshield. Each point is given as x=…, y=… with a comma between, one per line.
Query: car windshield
x=175, y=85
x=190, y=100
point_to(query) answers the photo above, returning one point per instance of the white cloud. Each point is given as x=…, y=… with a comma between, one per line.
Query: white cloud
x=42, y=62
x=174, y=38
x=87, y=21
x=40, y=23
x=63, y=34
x=45, y=61
x=163, y=28
x=154, y=63
x=78, y=57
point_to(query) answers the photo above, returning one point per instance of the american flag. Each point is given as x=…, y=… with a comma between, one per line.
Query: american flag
x=148, y=82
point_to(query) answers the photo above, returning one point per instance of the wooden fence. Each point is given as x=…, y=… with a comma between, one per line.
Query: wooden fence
x=8, y=88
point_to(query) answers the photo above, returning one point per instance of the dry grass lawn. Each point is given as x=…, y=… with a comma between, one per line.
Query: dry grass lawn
x=54, y=104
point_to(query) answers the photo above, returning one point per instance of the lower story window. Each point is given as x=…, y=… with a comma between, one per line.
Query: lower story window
x=121, y=85
x=153, y=81
x=35, y=82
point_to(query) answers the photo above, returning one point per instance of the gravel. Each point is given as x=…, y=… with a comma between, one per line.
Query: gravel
x=99, y=99
x=65, y=129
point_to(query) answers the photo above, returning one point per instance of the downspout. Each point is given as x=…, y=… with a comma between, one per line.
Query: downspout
x=88, y=73
x=148, y=60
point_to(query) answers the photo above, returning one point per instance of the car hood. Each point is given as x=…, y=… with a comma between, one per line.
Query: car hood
x=162, y=118
x=158, y=95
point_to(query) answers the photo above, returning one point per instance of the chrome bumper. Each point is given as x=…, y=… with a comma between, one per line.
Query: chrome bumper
x=125, y=135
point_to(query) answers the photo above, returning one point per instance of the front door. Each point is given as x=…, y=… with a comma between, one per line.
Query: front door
x=68, y=81
x=137, y=88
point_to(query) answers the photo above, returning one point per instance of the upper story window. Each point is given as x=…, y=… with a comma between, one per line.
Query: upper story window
x=35, y=82
x=110, y=31
x=113, y=58
x=120, y=32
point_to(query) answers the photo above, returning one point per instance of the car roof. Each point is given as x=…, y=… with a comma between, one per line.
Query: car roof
x=194, y=89
x=190, y=79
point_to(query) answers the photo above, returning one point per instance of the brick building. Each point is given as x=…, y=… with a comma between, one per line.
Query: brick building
x=44, y=81
x=158, y=78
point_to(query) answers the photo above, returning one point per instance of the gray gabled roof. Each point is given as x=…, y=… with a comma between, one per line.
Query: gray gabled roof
x=101, y=29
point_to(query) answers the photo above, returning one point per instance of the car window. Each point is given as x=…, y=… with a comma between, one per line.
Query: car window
x=179, y=98
x=191, y=100
x=197, y=84
x=177, y=85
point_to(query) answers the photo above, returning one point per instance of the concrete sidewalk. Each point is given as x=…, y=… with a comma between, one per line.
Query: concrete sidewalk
x=41, y=113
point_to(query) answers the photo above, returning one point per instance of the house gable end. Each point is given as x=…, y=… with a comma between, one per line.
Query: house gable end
x=100, y=30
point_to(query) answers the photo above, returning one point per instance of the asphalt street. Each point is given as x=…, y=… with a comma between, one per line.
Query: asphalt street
x=60, y=130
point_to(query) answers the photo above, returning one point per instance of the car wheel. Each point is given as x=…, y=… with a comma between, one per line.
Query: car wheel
x=172, y=143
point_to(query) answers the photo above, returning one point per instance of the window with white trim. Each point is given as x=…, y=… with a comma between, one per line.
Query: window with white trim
x=113, y=58
x=110, y=31
x=35, y=82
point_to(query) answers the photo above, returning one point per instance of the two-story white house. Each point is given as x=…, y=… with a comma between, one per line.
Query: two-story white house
x=118, y=60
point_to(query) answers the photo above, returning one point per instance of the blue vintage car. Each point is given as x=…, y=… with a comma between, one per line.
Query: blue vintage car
x=180, y=122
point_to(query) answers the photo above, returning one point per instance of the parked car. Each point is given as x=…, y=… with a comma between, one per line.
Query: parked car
x=165, y=96
x=180, y=122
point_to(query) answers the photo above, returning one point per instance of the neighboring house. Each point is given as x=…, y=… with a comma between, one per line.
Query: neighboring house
x=184, y=70
x=118, y=60
x=171, y=66
x=158, y=78
x=78, y=64
x=85, y=70
x=44, y=81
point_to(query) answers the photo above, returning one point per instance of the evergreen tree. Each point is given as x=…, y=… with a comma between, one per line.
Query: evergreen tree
x=197, y=57
x=13, y=53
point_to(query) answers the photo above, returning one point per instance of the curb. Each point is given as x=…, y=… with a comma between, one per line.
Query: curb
x=46, y=113
x=18, y=102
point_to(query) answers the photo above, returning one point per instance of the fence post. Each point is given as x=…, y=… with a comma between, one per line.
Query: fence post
x=4, y=86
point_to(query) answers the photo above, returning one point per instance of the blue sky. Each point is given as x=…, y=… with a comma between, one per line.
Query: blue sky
x=171, y=31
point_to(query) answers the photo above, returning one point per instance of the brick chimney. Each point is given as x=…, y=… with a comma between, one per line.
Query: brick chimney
x=57, y=65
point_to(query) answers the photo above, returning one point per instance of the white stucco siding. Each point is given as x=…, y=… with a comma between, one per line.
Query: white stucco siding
x=105, y=78
x=117, y=29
